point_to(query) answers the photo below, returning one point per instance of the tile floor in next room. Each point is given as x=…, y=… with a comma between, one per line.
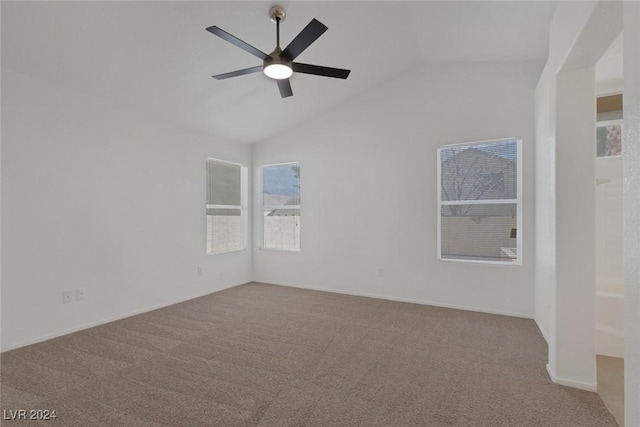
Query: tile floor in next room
x=611, y=385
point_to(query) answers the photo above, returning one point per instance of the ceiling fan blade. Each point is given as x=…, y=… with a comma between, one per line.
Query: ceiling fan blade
x=318, y=70
x=303, y=40
x=236, y=41
x=285, y=88
x=238, y=72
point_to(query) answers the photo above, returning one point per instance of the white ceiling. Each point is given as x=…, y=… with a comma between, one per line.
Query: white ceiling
x=157, y=56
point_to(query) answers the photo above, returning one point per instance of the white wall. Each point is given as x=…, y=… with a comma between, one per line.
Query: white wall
x=99, y=196
x=609, y=266
x=368, y=188
x=631, y=206
x=545, y=209
x=568, y=21
x=565, y=172
x=575, y=227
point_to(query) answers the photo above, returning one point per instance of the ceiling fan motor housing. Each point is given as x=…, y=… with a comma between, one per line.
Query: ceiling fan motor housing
x=276, y=57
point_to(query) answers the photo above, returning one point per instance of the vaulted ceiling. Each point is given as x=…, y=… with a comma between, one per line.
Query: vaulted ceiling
x=158, y=58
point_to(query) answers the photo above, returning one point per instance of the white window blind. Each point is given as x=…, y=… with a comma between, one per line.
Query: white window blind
x=479, y=202
x=226, y=206
x=281, y=207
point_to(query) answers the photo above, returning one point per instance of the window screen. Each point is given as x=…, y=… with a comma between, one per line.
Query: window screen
x=281, y=206
x=225, y=209
x=479, y=202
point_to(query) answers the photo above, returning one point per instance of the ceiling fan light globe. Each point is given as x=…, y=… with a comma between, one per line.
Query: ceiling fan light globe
x=278, y=71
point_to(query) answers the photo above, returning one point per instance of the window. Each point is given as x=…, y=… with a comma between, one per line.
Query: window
x=226, y=206
x=480, y=202
x=609, y=138
x=281, y=207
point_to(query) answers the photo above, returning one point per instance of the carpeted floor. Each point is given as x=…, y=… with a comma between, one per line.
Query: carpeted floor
x=268, y=355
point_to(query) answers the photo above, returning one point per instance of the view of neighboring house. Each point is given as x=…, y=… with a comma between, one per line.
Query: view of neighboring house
x=476, y=230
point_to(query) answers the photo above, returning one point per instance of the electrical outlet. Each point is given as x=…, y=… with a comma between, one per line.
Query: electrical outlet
x=199, y=270
x=66, y=297
x=81, y=294
x=381, y=272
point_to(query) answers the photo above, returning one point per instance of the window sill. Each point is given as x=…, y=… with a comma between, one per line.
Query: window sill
x=279, y=250
x=226, y=252
x=514, y=263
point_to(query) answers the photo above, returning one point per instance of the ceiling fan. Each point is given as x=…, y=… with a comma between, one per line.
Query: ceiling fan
x=279, y=64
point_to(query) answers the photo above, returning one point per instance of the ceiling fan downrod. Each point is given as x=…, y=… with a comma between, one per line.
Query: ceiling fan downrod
x=277, y=14
x=277, y=65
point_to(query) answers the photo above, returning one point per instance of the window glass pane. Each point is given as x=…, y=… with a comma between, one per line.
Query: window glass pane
x=281, y=185
x=223, y=184
x=225, y=210
x=282, y=229
x=480, y=172
x=224, y=230
x=609, y=140
x=485, y=232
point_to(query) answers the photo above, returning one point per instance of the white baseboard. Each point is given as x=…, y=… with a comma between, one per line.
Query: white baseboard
x=409, y=300
x=109, y=320
x=576, y=384
x=569, y=383
x=543, y=332
x=552, y=375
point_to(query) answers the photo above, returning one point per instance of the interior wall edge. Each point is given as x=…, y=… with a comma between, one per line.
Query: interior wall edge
x=631, y=207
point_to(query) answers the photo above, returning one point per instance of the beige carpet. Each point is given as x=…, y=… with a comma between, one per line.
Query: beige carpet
x=269, y=355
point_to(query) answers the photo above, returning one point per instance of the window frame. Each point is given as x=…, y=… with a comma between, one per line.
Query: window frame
x=243, y=207
x=518, y=201
x=261, y=245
